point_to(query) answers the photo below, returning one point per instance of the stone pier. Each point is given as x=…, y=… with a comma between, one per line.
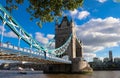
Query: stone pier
x=58, y=68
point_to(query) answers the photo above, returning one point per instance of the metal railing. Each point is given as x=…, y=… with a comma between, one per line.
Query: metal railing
x=11, y=49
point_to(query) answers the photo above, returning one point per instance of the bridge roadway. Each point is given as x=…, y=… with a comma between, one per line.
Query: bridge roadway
x=10, y=52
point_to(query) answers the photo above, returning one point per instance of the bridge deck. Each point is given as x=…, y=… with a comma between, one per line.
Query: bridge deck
x=10, y=52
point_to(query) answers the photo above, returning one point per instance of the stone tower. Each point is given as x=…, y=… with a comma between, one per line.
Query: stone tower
x=62, y=33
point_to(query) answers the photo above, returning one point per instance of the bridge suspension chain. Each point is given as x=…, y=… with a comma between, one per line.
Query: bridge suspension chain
x=22, y=34
x=62, y=49
x=17, y=29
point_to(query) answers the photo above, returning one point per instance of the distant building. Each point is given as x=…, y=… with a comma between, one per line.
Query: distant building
x=110, y=56
x=106, y=59
x=96, y=60
x=116, y=60
x=109, y=63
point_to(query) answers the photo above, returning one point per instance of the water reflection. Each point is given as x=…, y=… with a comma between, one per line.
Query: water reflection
x=67, y=76
x=95, y=74
x=106, y=74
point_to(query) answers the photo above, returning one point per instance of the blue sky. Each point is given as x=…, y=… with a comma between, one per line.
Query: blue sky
x=97, y=26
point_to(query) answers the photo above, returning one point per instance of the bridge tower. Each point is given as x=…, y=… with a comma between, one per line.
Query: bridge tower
x=62, y=33
x=74, y=51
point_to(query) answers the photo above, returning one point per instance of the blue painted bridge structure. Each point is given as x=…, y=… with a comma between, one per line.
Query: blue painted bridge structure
x=39, y=54
x=66, y=44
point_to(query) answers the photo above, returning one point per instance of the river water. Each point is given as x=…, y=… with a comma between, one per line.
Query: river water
x=37, y=74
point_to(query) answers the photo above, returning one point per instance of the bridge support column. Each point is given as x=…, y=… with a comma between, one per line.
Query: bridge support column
x=80, y=66
x=57, y=68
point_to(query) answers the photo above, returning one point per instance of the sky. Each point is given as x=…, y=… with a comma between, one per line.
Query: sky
x=97, y=26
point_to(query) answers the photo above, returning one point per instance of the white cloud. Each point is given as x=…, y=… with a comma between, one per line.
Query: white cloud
x=91, y=55
x=45, y=39
x=50, y=36
x=75, y=12
x=98, y=34
x=79, y=14
x=83, y=14
x=116, y=1
x=10, y=34
x=40, y=37
x=101, y=1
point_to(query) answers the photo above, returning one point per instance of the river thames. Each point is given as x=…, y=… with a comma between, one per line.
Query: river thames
x=95, y=74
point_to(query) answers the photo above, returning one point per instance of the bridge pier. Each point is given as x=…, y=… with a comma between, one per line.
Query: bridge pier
x=78, y=66
x=57, y=68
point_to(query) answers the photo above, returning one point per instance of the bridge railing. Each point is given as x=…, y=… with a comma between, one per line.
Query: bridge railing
x=19, y=49
x=30, y=53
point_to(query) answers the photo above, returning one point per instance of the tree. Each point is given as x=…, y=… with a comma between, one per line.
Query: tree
x=45, y=10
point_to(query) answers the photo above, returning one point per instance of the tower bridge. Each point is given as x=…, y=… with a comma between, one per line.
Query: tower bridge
x=66, y=43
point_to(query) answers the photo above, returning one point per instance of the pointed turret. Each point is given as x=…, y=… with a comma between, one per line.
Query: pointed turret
x=65, y=22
